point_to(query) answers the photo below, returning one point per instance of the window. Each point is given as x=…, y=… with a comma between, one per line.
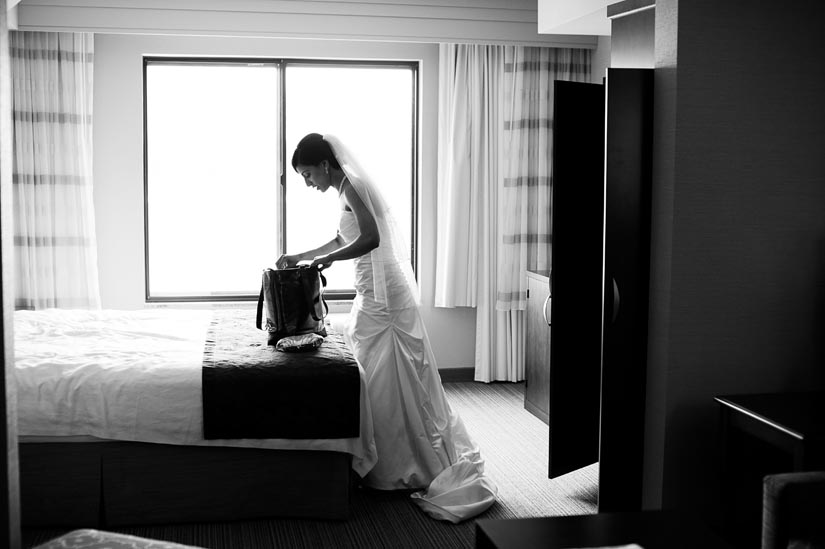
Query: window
x=222, y=199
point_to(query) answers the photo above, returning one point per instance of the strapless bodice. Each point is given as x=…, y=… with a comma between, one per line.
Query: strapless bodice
x=394, y=279
x=348, y=226
x=348, y=229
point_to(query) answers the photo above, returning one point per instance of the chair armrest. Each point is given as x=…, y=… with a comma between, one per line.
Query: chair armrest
x=792, y=509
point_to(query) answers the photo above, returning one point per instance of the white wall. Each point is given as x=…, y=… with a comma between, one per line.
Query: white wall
x=632, y=40
x=601, y=60
x=118, y=163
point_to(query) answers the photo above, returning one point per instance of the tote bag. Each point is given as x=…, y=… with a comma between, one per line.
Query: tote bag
x=293, y=301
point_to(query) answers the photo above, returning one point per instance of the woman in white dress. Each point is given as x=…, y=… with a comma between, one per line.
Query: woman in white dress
x=421, y=443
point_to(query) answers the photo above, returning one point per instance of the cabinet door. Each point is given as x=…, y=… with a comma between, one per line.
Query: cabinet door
x=576, y=316
x=537, y=352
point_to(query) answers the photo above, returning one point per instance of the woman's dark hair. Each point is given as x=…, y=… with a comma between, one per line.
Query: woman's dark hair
x=311, y=151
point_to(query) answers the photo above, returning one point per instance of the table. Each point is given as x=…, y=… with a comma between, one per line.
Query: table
x=649, y=529
x=763, y=434
x=791, y=422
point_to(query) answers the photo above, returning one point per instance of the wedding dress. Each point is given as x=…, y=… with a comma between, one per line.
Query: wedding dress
x=421, y=442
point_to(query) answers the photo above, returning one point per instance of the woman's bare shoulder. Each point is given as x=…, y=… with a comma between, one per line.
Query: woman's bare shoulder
x=343, y=195
x=350, y=198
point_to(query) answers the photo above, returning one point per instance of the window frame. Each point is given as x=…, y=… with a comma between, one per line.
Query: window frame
x=281, y=63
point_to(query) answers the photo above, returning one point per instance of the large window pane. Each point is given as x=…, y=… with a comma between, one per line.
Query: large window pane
x=371, y=110
x=212, y=177
x=215, y=141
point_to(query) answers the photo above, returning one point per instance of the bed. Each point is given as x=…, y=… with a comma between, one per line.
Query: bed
x=111, y=408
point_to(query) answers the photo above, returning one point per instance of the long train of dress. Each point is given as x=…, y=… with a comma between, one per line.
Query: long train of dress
x=421, y=442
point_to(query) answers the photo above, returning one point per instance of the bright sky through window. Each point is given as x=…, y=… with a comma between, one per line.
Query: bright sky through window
x=370, y=110
x=212, y=163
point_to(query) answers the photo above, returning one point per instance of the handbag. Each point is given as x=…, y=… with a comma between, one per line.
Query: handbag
x=294, y=302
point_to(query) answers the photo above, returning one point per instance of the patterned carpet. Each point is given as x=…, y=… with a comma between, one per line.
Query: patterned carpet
x=515, y=447
x=513, y=443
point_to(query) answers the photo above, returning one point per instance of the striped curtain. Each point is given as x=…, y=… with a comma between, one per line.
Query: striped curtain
x=495, y=187
x=525, y=195
x=54, y=226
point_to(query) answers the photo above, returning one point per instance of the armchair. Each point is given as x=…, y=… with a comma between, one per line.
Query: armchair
x=793, y=511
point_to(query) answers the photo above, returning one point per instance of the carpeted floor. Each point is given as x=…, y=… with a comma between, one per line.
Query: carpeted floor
x=513, y=443
x=515, y=446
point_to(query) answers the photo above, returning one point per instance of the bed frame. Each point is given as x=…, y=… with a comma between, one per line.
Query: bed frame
x=98, y=484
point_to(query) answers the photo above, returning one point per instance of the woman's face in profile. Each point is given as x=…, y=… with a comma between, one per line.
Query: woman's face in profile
x=314, y=176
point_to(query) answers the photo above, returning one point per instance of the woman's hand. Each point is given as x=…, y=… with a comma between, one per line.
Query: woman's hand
x=286, y=261
x=321, y=261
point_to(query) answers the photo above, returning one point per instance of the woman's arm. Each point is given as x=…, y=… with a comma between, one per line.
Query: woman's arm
x=367, y=240
x=290, y=260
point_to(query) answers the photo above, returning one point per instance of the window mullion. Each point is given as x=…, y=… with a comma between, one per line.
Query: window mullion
x=281, y=207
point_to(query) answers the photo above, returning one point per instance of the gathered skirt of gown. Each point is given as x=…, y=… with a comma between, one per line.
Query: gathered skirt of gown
x=421, y=442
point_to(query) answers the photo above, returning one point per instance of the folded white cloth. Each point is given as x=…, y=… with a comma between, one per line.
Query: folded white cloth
x=299, y=343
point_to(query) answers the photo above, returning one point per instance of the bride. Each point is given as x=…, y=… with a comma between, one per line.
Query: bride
x=421, y=443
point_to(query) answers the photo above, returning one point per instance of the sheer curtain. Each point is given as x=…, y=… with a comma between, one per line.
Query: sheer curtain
x=494, y=187
x=469, y=164
x=54, y=228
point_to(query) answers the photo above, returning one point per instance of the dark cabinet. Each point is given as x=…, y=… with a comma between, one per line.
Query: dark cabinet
x=628, y=178
x=537, y=350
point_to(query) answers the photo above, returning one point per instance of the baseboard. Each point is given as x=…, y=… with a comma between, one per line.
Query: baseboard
x=533, y=409
x=450, y=375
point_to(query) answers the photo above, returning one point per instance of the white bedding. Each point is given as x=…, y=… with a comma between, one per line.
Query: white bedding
x=132, y=376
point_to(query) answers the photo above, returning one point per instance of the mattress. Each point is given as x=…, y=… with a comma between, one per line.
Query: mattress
x=133, y=376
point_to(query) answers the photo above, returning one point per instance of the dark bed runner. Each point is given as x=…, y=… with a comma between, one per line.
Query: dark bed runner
x=250, y=390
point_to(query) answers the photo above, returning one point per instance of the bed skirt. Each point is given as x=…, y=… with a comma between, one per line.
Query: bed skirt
x=98, y=484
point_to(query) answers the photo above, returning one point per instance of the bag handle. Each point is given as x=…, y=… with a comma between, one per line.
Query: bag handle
x=308, y=291
x=259, y=313
x=321, y=296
